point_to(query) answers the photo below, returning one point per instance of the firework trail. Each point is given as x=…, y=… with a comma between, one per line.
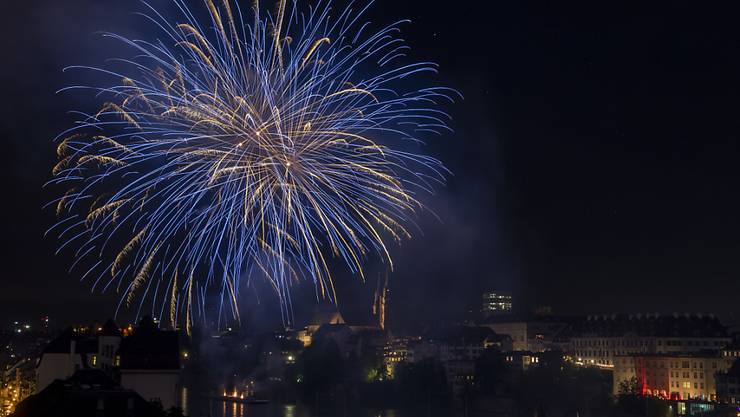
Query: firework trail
x=230, y=149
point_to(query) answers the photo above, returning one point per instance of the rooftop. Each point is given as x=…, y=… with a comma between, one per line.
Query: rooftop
x=675, y=325
x=63, y=344
x=150, y=348
x=699, y=354
x=88, y=393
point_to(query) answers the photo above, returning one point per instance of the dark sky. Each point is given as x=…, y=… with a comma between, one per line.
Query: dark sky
x=595, y=155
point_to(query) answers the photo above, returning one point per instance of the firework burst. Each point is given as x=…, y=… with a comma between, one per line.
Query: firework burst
x=230, y=149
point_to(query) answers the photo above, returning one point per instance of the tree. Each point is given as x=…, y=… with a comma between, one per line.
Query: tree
x=422, y=381
x=319, y=368
x=490, y=370
x=629, y=387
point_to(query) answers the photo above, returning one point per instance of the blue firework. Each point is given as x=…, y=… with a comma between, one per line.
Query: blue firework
x=229, y=149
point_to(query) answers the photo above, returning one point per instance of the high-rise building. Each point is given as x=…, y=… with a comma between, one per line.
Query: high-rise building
x=497, y=302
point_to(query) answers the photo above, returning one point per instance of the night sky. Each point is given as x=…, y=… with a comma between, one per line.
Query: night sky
x=595, y=156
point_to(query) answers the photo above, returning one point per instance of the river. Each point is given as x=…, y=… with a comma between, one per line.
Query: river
x=201, y=406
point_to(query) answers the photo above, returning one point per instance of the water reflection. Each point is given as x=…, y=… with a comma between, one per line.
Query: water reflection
x=217, y=408
x=195, y=405
x=184, y=399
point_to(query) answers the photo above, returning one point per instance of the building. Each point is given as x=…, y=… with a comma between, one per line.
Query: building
x=63, y=356
x=536, y=334
x=497, y=302
x=731, y=351
x=676, y=376
x=279, y=351
x=77, y=349
x=398, y=350
x=87, y=393
x=16, y=383
x=728, y=384
x=458, y=348
x=598, y=340
x=327, y=318
x=149, y=363
x=516, y=330
x=521, y=360
x=323, y=314
x=109, y=340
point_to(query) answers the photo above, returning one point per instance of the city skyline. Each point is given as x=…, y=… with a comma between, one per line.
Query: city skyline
x=595, y=161
x=673, y=364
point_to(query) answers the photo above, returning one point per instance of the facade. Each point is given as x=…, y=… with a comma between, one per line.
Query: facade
x=109, y=340
x=396, y=351
x=147, y=360
x=603, y=351
x=599, y=340
x=458, y=348
x=516, y=330
x=327, y=319
x=87, y=393
x=731, y=351
x=75, y=350
x=16, y=383
x=155, y=385
x=150, y=364
x=536, y=335
x=322, y=315
x=522, y=360
x=684, y=376
x=728, y=384
x=345, y=338
x=66, y=354
x=497, y=302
